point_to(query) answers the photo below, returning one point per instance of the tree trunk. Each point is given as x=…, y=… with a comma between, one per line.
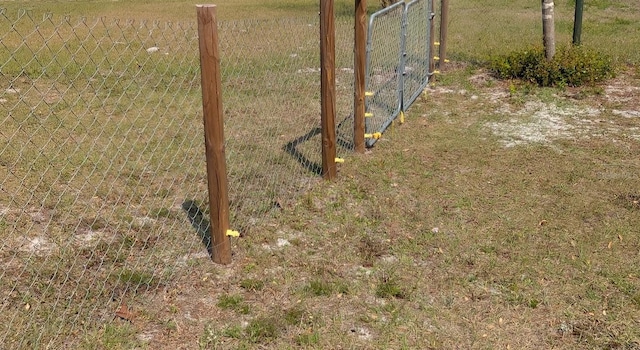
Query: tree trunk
x=548, y=30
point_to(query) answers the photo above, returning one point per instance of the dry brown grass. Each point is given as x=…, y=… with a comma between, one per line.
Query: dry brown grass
x=447, y=236
x=499, y=216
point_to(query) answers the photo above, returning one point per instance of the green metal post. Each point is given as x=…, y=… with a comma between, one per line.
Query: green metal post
x=577, y=22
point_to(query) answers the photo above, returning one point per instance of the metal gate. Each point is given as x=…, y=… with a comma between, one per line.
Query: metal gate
x=397, y=63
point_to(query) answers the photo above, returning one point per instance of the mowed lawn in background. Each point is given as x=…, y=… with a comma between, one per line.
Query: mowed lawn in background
x=182, y=10
x=478, y=28
x=500, y=216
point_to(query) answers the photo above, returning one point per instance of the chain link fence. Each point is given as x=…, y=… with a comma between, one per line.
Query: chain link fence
x=271, y=96
x=416, y=51
x=102, y=170
x=384, y=68
x=100, y=146
x=398, y=54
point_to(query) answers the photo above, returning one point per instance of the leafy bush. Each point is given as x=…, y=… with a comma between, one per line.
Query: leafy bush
x=571, y=66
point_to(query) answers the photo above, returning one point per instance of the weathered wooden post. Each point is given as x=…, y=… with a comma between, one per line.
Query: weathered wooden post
x=214, y=133
x=359, y=65
x=444, y=25
x=328, y=88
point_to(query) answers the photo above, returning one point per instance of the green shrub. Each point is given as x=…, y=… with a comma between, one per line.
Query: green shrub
x=571, y=66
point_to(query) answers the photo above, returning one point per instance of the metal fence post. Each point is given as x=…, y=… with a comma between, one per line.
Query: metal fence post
x=577, y=22
x=214, y=133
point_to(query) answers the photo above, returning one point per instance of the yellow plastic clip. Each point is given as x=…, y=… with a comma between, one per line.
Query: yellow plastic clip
x=401, y=117
x=369, y=93
x=436, y=43
x=232, y=233
x=446, y=60
x=375, y=135
x=437, y=58
x=436, y=72
x=339, y=160
x=368, y=115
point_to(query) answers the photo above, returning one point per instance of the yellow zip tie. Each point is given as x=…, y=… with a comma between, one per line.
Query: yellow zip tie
x=375, y=135
x=401, y=117
x=339, y=160
x=368, y=115
x=369, y=93
x=446, y=60
x=436, y=72
x=436, y=43
x=437, y=58
x=232, y=233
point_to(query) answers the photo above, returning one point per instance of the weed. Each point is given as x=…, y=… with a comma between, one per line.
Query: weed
x=208, y=337
x=389, y=287
x=297, y=316
x=116, y=336
x=262, y=329
x=252, y=284
x=319, y=288
x=137, y=279
x=308, y=338
x=233, y=302
x=171, y=325
x=233, y=332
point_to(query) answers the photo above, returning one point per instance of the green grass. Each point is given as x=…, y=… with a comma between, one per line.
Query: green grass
x=514, y=25
x=234, y=302
x=252, y=284
x=179, y=10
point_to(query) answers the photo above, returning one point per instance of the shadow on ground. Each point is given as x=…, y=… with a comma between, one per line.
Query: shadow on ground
x=199, y=222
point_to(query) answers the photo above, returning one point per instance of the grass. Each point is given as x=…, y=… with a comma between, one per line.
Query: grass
x=233, y=302
x=501, y=215
x=178, y=10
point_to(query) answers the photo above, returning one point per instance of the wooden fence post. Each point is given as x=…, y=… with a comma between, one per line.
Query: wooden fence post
x=328, y=88
x=432, y=40
x=444, y=25
x=359, y=64
x=214, y=133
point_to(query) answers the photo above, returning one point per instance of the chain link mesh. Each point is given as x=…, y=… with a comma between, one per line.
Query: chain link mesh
x=101, y=145
x=103, y=193
x=416, y=52
x=384, y=68
x=398, y=53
